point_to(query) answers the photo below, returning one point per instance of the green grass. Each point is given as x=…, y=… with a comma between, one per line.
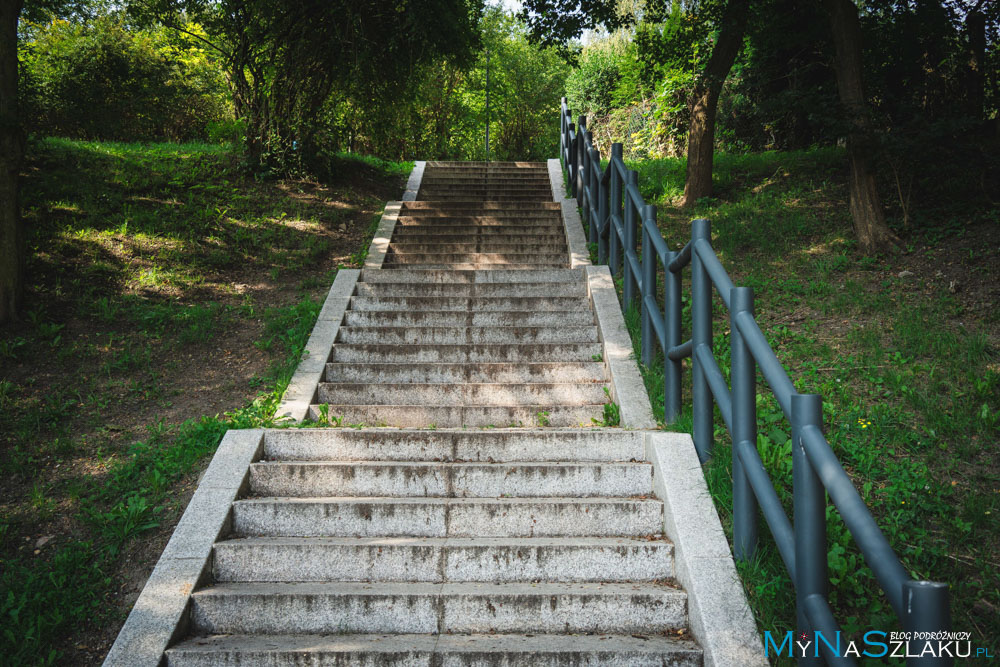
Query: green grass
x=908, y=372
x=155, y=270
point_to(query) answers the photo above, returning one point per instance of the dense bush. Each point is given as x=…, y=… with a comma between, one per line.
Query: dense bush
x=105, y=80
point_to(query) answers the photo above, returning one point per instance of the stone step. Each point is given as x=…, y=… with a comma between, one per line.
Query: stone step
x=495, y=335
x=432, y=650
x=471, y=290
x=499, y=246
x=476, y=304
x=470, y=277
x=460, y=235
x=591, y=371
x=477, y=258
x=501, y=444
x=460, y=354
x=455, y=416
x=470, y=219
x=467, y=266
x=435, y=559
x=447, y=517
x=319, y=607
x=451, y=318
x=482, y=394
x=463, y=480
x=478, y=205
x=515, y=193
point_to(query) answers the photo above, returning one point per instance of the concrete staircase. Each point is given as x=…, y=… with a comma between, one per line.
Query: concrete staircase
x=477, y=547
x=480, y=322
x=452, y=546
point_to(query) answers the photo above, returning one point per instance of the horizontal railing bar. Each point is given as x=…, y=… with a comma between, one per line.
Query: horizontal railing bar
x=633, y=262
x=633, y=195
x=656, y=317
x=770, y=506
x=821, y=619
x=619, y=227
x=653, y=234
x=716, y=382
x=716, y=272
x=772, y=370
x=867, y=535
x=682, y=351
x=682, y=259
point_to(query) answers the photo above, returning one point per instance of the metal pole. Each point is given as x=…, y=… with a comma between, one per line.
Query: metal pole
x=672, y=317
x=702, y=402
x=809, y=497
x=744, y=392
x=928, y=611
x=630, y=287
x=647, y=287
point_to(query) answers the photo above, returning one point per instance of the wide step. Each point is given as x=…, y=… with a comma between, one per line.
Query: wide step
x=447, y=517
x=380, y=559
x=451, y=373
x=398, y=607
x=462, y=480
x=458, y=416
x=455, y=650
x=502, y=444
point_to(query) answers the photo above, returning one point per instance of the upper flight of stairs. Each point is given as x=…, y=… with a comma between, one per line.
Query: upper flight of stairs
x=442, y=541
x=479, y=322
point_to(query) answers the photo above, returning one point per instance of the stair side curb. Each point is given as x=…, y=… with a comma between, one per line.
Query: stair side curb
x=383, y=234
x=413, y=182
x=627, y=388
x=718, y=613
x=161, y=613
x=579, y=254
x=301, y=389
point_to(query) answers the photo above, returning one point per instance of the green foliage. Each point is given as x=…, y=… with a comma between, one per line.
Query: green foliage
x=107, y=80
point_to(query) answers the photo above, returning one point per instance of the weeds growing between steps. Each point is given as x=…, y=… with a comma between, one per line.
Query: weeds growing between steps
x=170, y=297
x=903, y=350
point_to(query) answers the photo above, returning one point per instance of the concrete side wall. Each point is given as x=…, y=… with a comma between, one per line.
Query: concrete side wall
x=718, y=614
x=160, y=615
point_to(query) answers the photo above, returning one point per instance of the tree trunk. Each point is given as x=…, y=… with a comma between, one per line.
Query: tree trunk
x=11, y=156
x=870, y=227
x=701, y=131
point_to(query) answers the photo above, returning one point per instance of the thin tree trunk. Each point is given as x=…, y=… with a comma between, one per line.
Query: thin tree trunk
x=11, y=156
x=870, y=227
x=701, y=131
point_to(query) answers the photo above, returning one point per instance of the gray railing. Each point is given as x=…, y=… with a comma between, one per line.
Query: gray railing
x=624, y=229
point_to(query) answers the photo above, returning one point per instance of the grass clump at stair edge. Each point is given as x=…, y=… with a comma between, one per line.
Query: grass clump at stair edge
x=170, y=296
x=906, y=364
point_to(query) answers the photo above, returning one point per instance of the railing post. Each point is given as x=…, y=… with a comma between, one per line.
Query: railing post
x=571, y=157
x=609, y=239
x=631, y=283
x=928, y=610
x=744, y=394
x=702, y=403
x=809, y=498
x=581, y=158
x=600, y=230
x=647, y=286
x=672, y=322
x=594, y=203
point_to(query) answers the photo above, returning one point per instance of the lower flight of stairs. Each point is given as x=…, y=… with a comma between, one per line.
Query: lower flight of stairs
x=423, y=547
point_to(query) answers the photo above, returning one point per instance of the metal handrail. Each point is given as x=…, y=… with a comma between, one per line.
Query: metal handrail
x=624, y=229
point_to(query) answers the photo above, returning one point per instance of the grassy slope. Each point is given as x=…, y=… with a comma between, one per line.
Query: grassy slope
x=169, y=299
x=907, y=367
